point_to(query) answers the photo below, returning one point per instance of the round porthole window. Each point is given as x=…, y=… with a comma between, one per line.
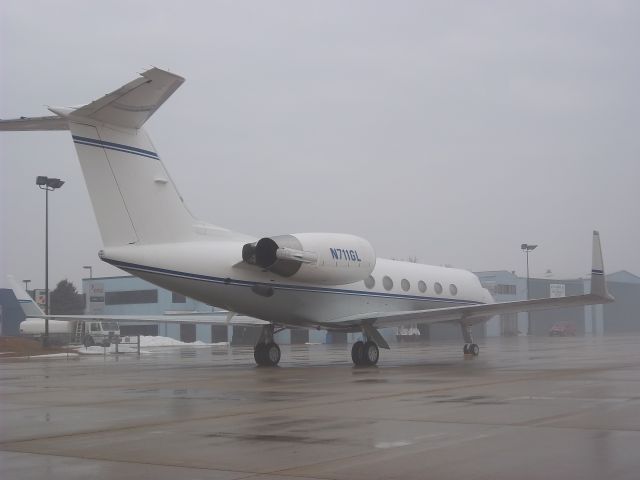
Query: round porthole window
x=370, y=282
x=437, y=287
x=405, y=285
x=422, y=286
x=453, y=289
x=387, y=283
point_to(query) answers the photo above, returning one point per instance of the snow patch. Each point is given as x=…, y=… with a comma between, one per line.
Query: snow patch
x=146, y=341
x=52, y=355
x=151, y=341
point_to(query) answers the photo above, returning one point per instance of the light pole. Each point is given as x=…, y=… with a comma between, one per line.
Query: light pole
x=90, y=268
x=526, y=249
x=48, y=185
x=26, y=285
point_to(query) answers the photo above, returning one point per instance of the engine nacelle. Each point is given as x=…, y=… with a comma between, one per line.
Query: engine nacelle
x=324, y=258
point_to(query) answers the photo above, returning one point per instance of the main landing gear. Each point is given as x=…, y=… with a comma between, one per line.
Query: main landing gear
x=266, y=352
x=365, y=353
x=470, y=348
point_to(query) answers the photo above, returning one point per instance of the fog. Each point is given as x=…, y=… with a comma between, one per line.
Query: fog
x=447, y=131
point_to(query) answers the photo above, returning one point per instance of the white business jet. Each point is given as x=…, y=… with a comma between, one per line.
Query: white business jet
x=331, y=281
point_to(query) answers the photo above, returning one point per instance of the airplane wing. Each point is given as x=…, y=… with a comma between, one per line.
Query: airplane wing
x=208, y=319
x=470, y=314
x=31, y=310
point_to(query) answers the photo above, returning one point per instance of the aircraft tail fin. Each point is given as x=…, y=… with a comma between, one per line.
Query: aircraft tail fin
x=598, y=282
x=29, y=307
x=133, y=196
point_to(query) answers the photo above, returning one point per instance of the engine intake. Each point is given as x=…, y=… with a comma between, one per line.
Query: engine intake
x=326, y=258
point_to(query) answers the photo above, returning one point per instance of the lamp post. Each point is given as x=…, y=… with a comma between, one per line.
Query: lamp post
x=48, y=185
x=526, y=249
x=90, y=268
x=26, y=285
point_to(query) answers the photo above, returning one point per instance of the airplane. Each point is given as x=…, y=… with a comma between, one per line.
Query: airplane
x=331, y=281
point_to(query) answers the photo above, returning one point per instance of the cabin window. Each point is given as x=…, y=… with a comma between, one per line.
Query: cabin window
x=370, y=282
x=387, y=283
x=453, y=289
x=437, y=287
x=405, y=285
x=422, y=286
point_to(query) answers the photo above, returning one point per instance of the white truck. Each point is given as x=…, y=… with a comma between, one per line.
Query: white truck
x=84, y=332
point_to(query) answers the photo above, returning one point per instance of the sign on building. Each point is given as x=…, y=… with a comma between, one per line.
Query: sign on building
x=40, y=296
x=557, y=290
x=96, y=297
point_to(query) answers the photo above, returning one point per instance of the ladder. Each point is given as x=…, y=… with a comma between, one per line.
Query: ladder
x=79, y=333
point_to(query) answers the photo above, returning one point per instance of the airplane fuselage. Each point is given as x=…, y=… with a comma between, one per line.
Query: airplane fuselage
x=212, y=271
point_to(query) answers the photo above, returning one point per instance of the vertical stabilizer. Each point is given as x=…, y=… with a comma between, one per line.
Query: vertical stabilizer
x=598, y=282
x=133, y=197
x=29, y=307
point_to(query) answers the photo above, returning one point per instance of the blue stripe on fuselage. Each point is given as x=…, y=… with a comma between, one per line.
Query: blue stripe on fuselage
x=277, y=286
x=92, y=142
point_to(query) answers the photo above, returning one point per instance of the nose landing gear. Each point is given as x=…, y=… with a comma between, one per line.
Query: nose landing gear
x=469, y=348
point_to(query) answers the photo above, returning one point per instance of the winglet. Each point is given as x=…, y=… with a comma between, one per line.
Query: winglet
x=598, y=282
x=29, y=307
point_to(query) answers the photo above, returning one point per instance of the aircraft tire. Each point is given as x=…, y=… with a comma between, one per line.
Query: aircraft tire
x=259, y=353
x=272, y=354
x=371, y=353
x=357, y=353
x=465, y=349
x=474, y=349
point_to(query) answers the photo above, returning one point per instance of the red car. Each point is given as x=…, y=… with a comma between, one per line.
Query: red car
x=563, y=329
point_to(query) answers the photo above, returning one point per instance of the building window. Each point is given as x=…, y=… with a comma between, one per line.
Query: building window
x=387, y=283
x=178, y=298
x=405, y=285
x=453, y=289
x=437, y=287
x=130, y=297
x=422, y=286
x=370, y=282
x=505, y=289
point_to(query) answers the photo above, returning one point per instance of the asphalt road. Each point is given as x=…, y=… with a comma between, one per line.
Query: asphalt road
x=525, y=408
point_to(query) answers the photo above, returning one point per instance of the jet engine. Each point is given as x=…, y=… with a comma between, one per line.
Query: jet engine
x=324, y=258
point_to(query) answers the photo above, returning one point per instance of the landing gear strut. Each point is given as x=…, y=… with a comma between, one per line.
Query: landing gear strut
x=469, y=348
x=266, y=352
x=365, y=353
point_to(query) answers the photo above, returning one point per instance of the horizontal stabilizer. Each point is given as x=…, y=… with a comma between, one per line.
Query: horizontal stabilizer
x=131, y=105
x=30, y=124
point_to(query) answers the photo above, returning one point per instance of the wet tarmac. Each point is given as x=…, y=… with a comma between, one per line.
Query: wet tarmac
x=526, y=408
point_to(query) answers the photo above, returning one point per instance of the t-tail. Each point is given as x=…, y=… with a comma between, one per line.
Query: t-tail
x=29, y=307
x=134, y=199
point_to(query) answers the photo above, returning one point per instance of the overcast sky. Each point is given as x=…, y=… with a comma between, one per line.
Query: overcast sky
x=447, y=131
